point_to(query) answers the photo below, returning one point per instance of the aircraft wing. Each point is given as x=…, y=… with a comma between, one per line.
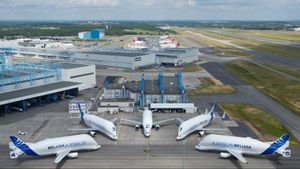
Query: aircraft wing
x=164, y=122
x=238, y=155
x=114, y=120
x=130, y=122
x=179, y=120
x=61, y=155
x=85, y=129
x=211, y=129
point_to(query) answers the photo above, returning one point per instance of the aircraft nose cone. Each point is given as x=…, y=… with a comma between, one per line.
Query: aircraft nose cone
x=178, y=137
x=147, y=133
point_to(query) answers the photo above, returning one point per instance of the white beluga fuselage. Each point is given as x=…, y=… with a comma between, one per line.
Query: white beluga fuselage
x=147, y=122
x=96, y=123
x=60, y=146
x=197, y=123
x=102, y=125
x=237, y=146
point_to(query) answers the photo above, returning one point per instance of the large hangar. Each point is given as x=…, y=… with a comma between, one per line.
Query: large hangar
x=23, y=85
x=123, y=59
x=177, y=56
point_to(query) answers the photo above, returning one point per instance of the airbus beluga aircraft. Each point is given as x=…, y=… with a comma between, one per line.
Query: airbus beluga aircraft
x=197, y=123
x=60, y=146
x=98, y=124
x=237, y=146
x=147, y=123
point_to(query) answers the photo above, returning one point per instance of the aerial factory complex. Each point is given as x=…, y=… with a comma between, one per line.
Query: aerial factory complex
x=157, y=94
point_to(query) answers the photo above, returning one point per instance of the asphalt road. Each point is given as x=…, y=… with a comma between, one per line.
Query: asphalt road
x=248, y=94
x=265, y=57
x=158, y=156
x=261, y=39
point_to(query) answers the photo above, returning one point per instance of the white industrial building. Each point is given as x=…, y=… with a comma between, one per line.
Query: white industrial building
x=177, y=56
x=23, y=85
x=122, y=59
x=83, y=74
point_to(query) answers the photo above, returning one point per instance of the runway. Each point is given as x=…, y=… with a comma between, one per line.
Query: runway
x=159, y=156
x=248, y=94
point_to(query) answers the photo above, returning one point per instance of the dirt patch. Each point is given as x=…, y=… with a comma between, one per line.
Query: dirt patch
x=296, y=103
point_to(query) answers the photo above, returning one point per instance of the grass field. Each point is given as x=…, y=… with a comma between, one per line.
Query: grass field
x=209, y=85
x=281, y=50
x=280, y=88
x=223, y=49
x=264, y=123
x=192, y=67
x=270, y=34
x=220, y=48
x=285, y=69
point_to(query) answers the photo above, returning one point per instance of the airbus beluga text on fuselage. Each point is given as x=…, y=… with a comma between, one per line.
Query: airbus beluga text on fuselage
x=237, y=146
x=60, y=146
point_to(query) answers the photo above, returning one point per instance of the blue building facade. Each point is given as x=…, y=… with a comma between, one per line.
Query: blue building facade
x=93, y=34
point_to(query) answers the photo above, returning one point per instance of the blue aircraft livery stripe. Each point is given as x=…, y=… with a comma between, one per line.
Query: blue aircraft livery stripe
x=276, y=145
x=81, y=112
x=212, y=112
x=22, y=146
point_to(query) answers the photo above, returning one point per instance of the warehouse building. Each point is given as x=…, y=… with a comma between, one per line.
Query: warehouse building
x=177, y=56
x=79, y=73
x=23, y=85
x=92, y=35
x=122, y=59
x=134, y=60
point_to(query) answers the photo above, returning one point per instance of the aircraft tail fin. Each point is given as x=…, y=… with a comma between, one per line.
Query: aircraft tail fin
x=21, y=145
x=81, y=112
x=279, y=146
x=213, y=110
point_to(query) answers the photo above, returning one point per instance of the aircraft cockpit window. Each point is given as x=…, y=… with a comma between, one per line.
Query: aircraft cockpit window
x=180, y=129
x=147, y=126
x=113, y=129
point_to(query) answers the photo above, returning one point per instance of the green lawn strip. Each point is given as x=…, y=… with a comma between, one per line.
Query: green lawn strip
x=192, y=67
x=269, y=127
x=285, y=69
x=209, y=86
x=282, y=89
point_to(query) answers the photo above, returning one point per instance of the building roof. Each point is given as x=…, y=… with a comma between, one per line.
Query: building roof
x=71, y=65
x=171, y=105
x=117, y=53
x=151, y=86
x=36, y=90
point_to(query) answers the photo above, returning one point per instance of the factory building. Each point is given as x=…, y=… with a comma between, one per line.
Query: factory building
x=83, y=74
x=133, y=60
x=144, y=92
x=23, y=85
x=122, y=59
x=177, y=56
x=92, y=35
